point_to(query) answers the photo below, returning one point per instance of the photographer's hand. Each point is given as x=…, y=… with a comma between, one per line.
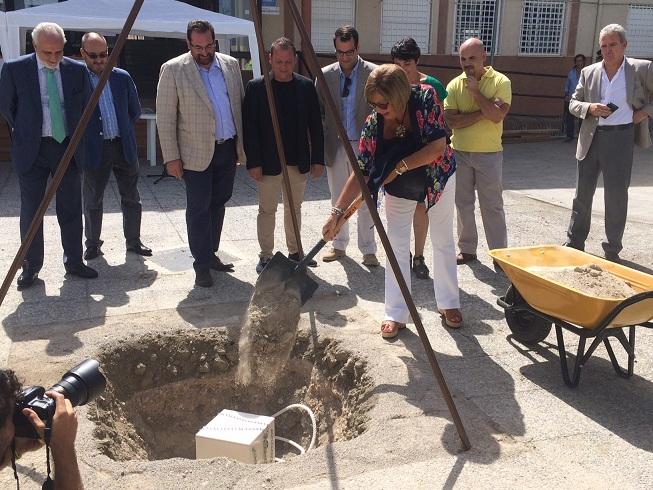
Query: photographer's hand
x=25, y=445
x=62, y=443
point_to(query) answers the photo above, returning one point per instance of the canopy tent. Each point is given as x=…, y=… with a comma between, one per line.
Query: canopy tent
x=157, y=18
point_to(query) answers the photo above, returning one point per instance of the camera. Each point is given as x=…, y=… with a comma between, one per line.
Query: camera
x=80, y=385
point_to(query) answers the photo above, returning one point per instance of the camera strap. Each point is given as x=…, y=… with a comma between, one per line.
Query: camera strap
x=48, y=484
x=13, y=462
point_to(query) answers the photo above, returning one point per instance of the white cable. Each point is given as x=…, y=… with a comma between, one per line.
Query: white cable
x=293, y=443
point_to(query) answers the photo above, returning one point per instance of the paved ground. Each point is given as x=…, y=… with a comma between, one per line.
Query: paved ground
x=527, y=428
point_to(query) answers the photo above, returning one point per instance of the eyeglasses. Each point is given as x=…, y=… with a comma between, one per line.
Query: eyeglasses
x=206, y=48
x=379, y=105
x=345, y=53
x=95, y=56
x=345, y=88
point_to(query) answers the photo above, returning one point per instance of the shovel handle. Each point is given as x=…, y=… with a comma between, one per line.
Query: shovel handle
x=349, y=212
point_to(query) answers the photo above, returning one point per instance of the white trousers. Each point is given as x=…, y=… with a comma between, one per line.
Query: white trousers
x=399, y=214
x=337, y=176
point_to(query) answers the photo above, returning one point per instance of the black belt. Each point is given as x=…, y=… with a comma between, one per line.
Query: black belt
x=615, y=127
x=112, y=140
x=222, y=142
x=50, y=139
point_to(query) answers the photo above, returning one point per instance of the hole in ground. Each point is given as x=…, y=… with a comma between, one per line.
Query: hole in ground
x=162, y=388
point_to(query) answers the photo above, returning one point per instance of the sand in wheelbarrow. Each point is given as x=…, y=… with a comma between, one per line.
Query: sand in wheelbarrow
x=268, y=335
x=591, y=280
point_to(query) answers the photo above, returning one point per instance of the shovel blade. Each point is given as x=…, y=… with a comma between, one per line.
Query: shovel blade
x=283, y=272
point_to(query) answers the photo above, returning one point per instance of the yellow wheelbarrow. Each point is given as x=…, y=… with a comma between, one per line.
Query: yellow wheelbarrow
x=533, y=304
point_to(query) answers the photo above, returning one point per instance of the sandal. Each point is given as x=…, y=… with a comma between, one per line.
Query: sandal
x=419, y=267
x=390, y=329
x=451, y=317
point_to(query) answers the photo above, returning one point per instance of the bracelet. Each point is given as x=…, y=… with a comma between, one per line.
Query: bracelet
x=404, y=164
x=336, y=211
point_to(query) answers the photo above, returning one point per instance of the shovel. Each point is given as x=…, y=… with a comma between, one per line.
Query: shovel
x=281, y=271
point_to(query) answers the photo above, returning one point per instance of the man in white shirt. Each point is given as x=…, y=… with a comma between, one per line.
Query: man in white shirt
x=613, y=98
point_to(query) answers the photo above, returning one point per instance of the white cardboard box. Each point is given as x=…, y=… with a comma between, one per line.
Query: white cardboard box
x=237, y=435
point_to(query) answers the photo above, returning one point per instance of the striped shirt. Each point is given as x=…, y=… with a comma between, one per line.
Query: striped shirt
x=110, y=129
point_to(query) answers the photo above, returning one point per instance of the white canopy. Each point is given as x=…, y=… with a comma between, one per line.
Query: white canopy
x=157, y=18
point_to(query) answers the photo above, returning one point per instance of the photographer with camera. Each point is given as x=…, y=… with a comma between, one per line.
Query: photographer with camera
x=62, y=432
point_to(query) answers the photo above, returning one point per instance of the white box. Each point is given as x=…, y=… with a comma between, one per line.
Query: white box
x=237, y=435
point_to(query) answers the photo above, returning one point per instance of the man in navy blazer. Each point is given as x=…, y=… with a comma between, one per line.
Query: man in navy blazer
x=42, y=97
x=111, y=145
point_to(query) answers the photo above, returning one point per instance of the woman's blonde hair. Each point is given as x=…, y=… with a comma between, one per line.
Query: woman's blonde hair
x=390, y=82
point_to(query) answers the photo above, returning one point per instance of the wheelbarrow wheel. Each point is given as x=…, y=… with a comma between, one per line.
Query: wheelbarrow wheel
x=526, y=327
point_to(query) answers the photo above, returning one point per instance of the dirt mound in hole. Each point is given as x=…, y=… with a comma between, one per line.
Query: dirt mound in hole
x=162, y=388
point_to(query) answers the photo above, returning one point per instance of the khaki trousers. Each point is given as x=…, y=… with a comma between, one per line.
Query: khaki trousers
x=268, y=190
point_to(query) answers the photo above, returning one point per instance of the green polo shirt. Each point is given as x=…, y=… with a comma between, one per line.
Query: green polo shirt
x=484, y=135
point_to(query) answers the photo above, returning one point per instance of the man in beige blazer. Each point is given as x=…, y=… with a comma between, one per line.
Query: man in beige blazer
x=346, y=80
x=198, y=114
x=613, y=99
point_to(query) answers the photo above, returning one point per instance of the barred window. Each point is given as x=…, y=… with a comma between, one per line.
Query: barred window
x=639, y=29
x=476, y=18
x=326, y=17
x=541, y=27
x=399, y=22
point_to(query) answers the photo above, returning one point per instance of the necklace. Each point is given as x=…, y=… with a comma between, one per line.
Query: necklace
x=401, y=130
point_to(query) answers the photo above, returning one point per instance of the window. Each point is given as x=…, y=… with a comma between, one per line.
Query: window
x=541, y=27
x=639, y=29
x=326, y=17
x=399, y=22
x=476, y=18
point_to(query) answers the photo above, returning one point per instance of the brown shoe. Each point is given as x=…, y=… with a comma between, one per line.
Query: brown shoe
x=370, y=260
x=463, y=258
x=333, y=254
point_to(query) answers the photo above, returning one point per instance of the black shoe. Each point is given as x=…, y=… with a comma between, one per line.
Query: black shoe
x=419, y=267
x=92, y=252
x=139, y=248
x=463, y=258
x=203, y=279
x=261, y=265
x=26, y=279
x=81, y=270
x=296, y=258
x=613, y=257
x=574, y=245
x=217, y=265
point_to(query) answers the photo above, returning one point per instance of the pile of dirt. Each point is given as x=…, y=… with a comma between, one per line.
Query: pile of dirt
x=268, y=335
x=590, y=279
x=162, y=388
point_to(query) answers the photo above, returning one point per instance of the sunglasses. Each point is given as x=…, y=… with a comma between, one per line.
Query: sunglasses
x=95, y=56
x=345, y=88
x=379, y=105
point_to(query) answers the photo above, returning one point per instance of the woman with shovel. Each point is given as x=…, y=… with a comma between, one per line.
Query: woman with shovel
x=404, y=149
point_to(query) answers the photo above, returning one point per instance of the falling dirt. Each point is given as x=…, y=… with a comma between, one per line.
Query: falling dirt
x=268, y=336
x=163, y=388
x=591, y=280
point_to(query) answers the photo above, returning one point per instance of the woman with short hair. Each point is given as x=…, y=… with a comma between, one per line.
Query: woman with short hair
x=404, y=149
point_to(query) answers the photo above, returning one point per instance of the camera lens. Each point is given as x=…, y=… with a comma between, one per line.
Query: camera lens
x=82, y=383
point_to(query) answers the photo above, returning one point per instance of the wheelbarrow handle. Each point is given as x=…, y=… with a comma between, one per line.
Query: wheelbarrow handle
x=349, y=212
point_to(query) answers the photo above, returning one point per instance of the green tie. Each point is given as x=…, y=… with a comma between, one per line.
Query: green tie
x=54, y=102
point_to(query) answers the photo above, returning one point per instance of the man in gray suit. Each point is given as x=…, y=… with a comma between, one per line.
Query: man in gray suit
x=613, y=99
x=346, y=80
x=198, y=115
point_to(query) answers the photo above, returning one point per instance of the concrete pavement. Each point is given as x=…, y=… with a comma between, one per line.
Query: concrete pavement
x=526, y=426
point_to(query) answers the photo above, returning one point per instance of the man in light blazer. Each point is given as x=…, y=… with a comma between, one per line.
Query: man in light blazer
x=42, y=97
x=613, y=99
x=346, y=80
x=198, y=115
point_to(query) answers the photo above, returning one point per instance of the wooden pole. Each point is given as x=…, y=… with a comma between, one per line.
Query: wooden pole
x=311, y=59
x=70, y=151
